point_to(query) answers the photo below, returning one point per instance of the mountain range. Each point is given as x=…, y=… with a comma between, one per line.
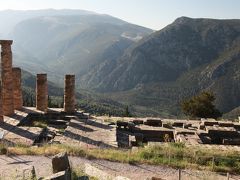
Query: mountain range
x=151, y=71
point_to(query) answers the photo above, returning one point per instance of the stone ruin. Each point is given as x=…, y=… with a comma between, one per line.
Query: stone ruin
x=206, y=131
x=11, y=91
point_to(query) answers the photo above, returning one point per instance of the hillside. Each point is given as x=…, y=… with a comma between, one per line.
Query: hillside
x=9, y=18
x=179, y=61
x=60, y=44
x=164, y=56
x=152, y=72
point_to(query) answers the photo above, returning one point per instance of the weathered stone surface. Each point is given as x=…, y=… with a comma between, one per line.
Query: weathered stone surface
x=69, y=94
x=62, y=175
x=17, y=88
x=1, y=108
x=156, y=178
x=60, y=162
x=96, y=172
x=7, y=81
x=41, y=93
x=121, y=178
x=29, y=173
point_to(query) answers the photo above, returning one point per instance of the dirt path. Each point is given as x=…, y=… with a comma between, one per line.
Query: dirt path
x=12, y=167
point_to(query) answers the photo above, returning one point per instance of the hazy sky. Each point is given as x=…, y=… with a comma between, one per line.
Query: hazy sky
x=150, y=13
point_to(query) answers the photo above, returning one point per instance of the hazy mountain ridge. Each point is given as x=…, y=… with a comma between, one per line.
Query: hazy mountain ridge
x=9, y=18
x=75, y=42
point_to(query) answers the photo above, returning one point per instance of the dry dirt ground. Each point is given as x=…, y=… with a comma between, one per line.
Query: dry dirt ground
x=13, y=167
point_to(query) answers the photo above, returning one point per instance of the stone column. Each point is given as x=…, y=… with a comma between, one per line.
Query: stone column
x=7, y=80
x=1, y=110
x=41, y=93
x=17, y=88
x=69, y=94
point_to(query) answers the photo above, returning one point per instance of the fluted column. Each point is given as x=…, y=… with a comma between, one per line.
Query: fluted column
x=17, y=88
x=41, y=93
x=7, y=80
x=69, y=94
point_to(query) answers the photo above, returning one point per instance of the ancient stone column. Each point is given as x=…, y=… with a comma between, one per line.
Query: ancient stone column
x=69, y=94
x=41, y=93
x=7, y=80
x=17, y=88
x=1, y=110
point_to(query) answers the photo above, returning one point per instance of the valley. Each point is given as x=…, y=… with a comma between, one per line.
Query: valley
x=152, y=72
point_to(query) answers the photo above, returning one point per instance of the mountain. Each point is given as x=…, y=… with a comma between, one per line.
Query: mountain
x=152, y=72
x=165, y=55
x=184, y=58
x=71, y=43
x=9, y=18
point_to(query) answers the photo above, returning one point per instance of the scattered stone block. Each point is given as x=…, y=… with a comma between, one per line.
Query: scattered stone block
x=62, y=175
x=226, y=124
x=121, y=124
x=236, y=126
x=121, y=178
x=210, y=123
x=153, y=122
x=156, y=178
x=231, y=141
x=60, y=162
x=178, y=124
x=137, y=122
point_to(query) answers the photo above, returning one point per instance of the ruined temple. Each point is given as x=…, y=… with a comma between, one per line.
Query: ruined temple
x=11, y=97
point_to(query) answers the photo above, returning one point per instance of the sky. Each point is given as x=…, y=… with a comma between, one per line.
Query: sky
x=154, y=14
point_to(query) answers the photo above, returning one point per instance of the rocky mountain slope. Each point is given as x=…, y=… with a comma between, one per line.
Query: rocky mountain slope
x=166, y=55
x=179, y=61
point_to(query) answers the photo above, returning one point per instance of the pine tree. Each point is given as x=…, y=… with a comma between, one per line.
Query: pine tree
x=201, y=106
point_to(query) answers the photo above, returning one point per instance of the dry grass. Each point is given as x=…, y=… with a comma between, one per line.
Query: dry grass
x=174, y=155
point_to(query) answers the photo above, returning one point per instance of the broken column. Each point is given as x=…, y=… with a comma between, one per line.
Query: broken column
x=41, y=93
x=69, y=94
x=17, y=88
x=7, y=80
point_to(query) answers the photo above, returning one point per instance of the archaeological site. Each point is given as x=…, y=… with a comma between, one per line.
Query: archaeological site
x=41, y=125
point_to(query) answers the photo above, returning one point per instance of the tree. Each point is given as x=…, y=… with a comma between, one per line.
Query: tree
x=50, y=102
x=201, y=106
x=127, y=113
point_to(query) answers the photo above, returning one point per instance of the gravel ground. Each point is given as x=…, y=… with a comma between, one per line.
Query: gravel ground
x=13, y=167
